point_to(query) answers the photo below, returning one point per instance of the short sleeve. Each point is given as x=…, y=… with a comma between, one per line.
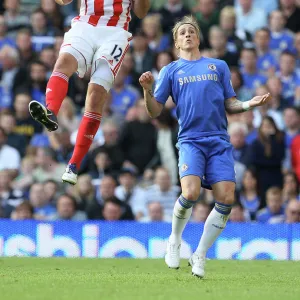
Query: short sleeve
x=163, y=86
x=227, y=85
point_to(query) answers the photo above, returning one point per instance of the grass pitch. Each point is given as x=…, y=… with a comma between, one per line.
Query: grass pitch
x=128, y=279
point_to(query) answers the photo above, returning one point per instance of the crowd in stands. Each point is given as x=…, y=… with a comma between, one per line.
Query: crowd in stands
x=131, y=171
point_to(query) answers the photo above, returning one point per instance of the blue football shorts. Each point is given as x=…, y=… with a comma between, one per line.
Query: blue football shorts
x=209, y=158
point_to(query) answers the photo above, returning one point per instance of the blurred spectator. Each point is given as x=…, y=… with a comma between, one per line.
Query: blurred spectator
x=130, y=193
x=47, y=166
x=291, y=13
x=207, y=15
x=292, y=124
x=37, y=83
x=143, y=56
x=8, y=123
x=289, y=78
x=242, y=93
x=228, y=24
x=106, y=192
x=297, y=50
x=251, y=77
x=112, y=210
x=103, y=165
x=25, y=125
x=237, y=214
x=163, y=191
x=248, y=197
x=250, y=18
x=172, y=11
x=162, y=59
x=9, y=157
x=281, y=38
x=123, y=96
x=132, y=77
x=266, y=62
x=25, y=177
x=277, y=102
x=266, y=5
x=157, y=40
x=138, y=139
x=238, y=132
x=66, y=207
x=9, y=197
x=218, y=42
x=200, y=212
x=266, y=154
x=23, y=211
x=42, y=33
x=54, y=16
x=48, y=58
x=155, y=213
x=267, y=110
x=110, y=132
x=274, y=211
x=51, y=189
x=11, y=75
x=166, y=143
x=67, y=117
x=292, y=212
x=290, y=187
x=4, y=39
x=84, y=192
x=247, y=118
x=43, y=209
x=13, y=17
x=24, y=45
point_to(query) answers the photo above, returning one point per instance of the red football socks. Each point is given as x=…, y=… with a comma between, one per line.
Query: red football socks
x=56, y=91
x=87, y=130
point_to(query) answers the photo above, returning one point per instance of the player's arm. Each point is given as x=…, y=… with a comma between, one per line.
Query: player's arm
x=141, y=8
x=235, y=106
x=153, y=107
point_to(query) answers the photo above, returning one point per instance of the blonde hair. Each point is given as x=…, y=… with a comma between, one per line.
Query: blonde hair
x=186, y=20
x=228, y=11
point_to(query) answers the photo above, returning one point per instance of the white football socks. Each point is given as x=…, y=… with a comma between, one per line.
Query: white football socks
x=181, y=216
x=214, y=225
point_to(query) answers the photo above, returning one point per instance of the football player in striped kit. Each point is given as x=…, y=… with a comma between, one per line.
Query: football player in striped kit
x=98, y=39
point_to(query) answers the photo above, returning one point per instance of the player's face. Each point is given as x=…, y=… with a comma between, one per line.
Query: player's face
x=187, y=38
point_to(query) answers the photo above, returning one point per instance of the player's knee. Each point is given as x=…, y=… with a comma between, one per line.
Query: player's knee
x=96, y=98
x=226, y=198
x=66, y=64
x=191, y=194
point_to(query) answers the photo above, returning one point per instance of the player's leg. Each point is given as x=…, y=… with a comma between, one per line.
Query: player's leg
x=75, y=55
x=221, y=176
x=56, y=92
x=191, y=162
x=214, y=225
x=99, y=86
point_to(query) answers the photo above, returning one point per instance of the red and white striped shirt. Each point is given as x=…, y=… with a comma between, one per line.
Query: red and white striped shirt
x=106, y=12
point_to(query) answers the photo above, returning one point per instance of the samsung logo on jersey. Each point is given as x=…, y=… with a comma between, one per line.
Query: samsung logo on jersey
x=188, y=79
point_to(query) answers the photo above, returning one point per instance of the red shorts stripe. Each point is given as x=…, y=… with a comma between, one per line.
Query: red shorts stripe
x=118, y=9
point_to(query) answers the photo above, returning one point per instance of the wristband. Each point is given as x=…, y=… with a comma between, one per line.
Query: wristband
x=246, y=106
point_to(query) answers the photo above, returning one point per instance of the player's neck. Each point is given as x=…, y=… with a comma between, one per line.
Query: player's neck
x=192, y=55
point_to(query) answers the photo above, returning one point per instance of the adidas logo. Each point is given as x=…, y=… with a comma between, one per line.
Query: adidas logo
x=48, y=90
x=180, y=72
x=90, y=137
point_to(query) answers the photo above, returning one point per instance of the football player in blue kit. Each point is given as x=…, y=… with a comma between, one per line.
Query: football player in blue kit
x=202, y=91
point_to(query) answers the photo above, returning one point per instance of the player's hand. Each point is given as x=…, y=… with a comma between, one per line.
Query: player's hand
x=147, y=80
x=260, y=100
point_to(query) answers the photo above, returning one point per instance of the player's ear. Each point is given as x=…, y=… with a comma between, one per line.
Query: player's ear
x=176, y=46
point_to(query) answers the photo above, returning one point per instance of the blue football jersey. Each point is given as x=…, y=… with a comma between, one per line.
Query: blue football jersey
x=199, y=89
